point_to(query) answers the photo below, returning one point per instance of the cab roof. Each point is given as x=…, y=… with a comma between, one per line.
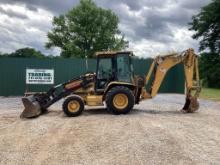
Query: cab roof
x=113, y=53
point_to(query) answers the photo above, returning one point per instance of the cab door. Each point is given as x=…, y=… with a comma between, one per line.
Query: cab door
x=124, y=68
x=104, y=73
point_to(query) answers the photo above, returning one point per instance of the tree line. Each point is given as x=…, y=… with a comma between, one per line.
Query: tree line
x=26, y=53
x=206, y=25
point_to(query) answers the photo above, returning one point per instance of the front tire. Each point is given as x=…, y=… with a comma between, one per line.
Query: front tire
x=120, y=100
x=73, y=106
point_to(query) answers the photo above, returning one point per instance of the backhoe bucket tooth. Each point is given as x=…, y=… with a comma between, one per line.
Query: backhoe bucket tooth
x=191, y=105
x=31, y=107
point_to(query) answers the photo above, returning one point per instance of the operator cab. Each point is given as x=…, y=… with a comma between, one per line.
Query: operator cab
x=113, y=66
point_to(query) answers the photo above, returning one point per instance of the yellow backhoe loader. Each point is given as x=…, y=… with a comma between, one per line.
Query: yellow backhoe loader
x=115, y=84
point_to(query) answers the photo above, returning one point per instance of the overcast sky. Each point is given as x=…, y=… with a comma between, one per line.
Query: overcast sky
x=151, y=26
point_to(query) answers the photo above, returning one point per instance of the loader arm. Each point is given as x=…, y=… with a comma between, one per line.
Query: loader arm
x=162, y=64
x=36, y=104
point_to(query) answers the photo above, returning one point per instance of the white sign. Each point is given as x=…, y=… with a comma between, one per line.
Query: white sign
x=39, y=76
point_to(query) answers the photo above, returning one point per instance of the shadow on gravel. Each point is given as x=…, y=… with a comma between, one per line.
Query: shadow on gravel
x=53, y=113
x=100, y=111
x=103, y=111
x=133, y=112
x=152, y=111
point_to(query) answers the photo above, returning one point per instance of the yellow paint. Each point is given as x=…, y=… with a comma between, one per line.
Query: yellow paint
x=145, y=94
x=150, y=72
x=163, y=63
x=94, y=100
x=88, y=90
x=73, y=106
x=120, y=101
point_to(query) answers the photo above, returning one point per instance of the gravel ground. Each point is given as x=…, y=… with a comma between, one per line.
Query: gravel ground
x=155, y=132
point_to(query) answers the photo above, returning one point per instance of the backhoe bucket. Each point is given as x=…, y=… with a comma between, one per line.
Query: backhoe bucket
x=191, y=105
x=31, y=107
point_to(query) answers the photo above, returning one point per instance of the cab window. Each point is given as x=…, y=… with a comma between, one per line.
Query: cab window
x=104, y=68
x=104, y=72
x=123, y=68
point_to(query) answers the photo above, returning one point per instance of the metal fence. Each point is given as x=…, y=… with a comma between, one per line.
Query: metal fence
x=12, y=73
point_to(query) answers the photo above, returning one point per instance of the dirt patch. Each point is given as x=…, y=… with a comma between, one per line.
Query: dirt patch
x=155, y=132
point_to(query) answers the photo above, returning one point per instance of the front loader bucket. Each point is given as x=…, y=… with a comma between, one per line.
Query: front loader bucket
x=191, y=104
x=31, y=107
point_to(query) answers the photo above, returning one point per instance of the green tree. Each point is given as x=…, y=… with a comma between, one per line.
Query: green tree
x=207, y=27
x=3, y=54
x=84, y=30
x=210, y=69
x=26, y=52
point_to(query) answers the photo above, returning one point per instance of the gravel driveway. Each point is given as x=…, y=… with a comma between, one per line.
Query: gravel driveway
x=155, y=132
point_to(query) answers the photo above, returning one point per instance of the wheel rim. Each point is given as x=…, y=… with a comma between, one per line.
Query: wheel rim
x=120, y=101
x=73, y=106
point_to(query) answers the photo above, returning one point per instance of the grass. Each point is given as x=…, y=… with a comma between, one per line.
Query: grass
x=210, y=93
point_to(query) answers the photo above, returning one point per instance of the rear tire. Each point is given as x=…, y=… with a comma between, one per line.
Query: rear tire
x=119, y=100
x=73, y=106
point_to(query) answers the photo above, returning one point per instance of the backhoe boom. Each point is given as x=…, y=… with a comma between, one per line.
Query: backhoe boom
x=162, y=64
